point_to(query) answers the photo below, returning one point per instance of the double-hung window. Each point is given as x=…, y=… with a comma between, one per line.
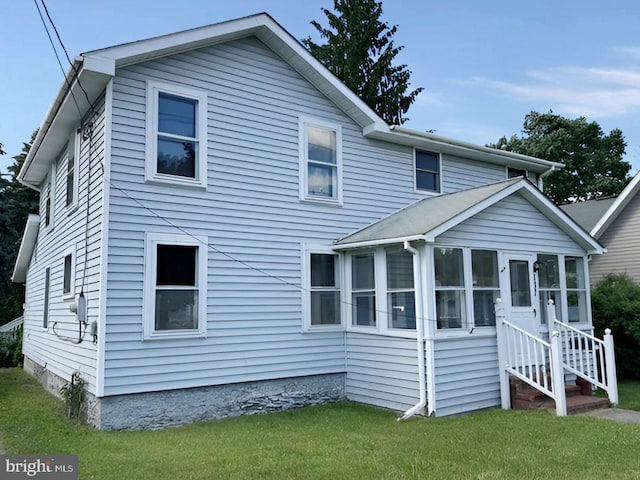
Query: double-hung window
x=45, y=305
x=69, y=273
x=401, y=300
x=576, y=289
x=550, y=287
x=176, y=290
x=323, y=301
x=320, y=161
x=71, y=173
x=427, y=171
x=486, y=286
x=449, y=287
x=176, y=134
x=363, y=289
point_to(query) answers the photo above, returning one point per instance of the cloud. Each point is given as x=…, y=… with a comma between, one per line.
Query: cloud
x=576, y=91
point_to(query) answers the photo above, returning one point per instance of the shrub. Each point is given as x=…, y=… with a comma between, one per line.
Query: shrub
x=10, y=349
x=616, y=305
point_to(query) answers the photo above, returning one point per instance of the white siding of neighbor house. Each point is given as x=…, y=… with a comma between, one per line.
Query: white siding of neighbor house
x=58, y=356
x=511, y=224
x=621, y=242
x=382, y=371
x=466, y=374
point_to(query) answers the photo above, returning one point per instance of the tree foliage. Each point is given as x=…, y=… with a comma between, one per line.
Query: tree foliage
x=16, y=202
x=615, y=303
x=360, y=52
x=593, y=164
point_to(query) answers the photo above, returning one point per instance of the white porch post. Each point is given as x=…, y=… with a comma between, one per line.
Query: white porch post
x=505, y=391
x=557, y=375
x=551, y=314
x=610, y=362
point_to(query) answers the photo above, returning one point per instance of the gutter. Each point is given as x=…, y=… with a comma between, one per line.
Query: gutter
x=63, y=92
x=422, y=381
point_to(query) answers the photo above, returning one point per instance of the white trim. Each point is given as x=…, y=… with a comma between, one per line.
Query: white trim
x=616, y=207
x=415, y=172
x=306, y=251
x=154, y=88
x=303, y=160
x=27, y=247
x=152, y=240
x=51, y=196
x=104, y=243
x=377, y=243
x=71, y=294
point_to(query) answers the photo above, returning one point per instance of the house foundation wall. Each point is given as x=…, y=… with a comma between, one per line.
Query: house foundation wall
x=154, y=410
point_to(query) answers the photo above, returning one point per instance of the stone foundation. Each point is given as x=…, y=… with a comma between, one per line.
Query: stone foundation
x=153, y=410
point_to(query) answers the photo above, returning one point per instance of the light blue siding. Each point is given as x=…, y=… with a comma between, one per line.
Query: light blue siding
x=511, y=224
x=382, y=371
x=79, y=227
x=466, y=374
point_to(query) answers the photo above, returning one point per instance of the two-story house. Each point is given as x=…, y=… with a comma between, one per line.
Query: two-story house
x=225, y=228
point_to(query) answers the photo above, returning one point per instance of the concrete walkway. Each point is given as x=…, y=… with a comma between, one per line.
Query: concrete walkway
x=616, y=414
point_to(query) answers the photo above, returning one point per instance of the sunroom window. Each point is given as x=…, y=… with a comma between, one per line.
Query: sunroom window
x=401, y=302
x=576, y=289
x=363, y=289
x=449, y=287
x=486, y=286
x=325, y=289
x=550, y=288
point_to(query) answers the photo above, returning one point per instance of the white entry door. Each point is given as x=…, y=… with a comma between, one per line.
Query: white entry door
x=520, y=291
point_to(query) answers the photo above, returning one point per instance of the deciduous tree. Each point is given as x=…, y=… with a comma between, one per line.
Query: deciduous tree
x=593, y=161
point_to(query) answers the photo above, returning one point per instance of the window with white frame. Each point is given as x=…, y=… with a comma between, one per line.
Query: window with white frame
x=69, y=273
x=320, y=161
x=550, y=287
x=176, y=134
x=427, y=171
x=485, y=285
x=45, y=306
x=176, y=289
x=363, y=289
x=48, y=202
x=323, y=301
x=401, y=301
x=449, y=287
x=73, y=159
x=576, y=289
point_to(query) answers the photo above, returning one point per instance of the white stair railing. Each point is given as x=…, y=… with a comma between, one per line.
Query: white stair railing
x=528, y=357
x=11, y=329
x=586, y=356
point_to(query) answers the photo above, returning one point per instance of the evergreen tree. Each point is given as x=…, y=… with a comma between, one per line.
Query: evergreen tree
x=16, y=202
x=593, y=164
x=360, y=52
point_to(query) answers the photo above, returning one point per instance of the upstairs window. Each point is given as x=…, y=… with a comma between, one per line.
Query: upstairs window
x=176, y=134
x=73, y=159
x=320, y=162
x=515, y=172
x=427, y=172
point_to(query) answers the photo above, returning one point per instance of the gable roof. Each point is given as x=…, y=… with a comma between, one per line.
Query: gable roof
x=430, y=217
x=588, y=213
x=91, y=72
x=25, y=253
x=616, y=207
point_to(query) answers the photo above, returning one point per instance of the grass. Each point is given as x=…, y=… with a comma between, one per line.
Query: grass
x=337, y=441
x=629, y=394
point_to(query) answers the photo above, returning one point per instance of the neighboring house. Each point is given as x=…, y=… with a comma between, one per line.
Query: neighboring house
x=225, y=228
x=615, y=223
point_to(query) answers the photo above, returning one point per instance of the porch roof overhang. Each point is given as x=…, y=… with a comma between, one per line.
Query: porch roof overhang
x=426, y=219
x=27, y=245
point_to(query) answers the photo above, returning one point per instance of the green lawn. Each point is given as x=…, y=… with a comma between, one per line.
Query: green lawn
x=338, y=441
x=629, y=393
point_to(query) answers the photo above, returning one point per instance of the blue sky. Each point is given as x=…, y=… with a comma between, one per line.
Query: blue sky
x=483, y=65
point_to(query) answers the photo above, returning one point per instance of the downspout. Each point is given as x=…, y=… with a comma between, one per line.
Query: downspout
x=543, y=175
x=422, y=381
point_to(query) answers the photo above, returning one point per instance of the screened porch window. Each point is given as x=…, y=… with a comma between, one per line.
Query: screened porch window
x=550, y=288
x=363, y=289
x=486, y=286
x=449, y=287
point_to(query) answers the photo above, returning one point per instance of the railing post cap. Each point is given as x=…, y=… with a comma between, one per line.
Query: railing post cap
x=550, y=301
x=555, y=333
x=498, y=300
x=607, y=331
